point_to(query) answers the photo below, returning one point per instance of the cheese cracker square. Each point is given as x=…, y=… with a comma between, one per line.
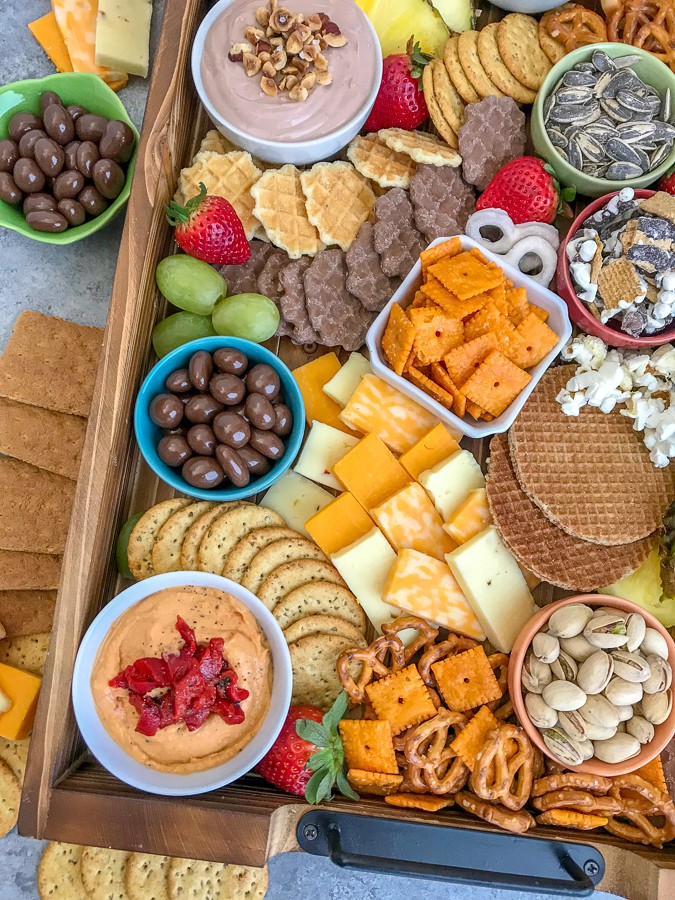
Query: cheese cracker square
x=436, y=333
x=398, y=338
x=653, y=773
x=452, y=305
x=517, y=300
x=463, y=361
x=469, y=742
x=496, y=383
x=419, y=301
x=379, y=783
x=466, y=680
x=566, y=818
x=466, y=275
x=427, y=802
x=537, y=341
x=402, y=699
x=434, y=254
x=430, y=387
x=368, y=745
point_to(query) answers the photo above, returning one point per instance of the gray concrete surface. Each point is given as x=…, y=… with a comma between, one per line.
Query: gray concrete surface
x=75, y=282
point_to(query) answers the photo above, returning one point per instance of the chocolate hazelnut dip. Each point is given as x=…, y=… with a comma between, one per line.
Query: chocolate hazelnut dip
x=240, y=99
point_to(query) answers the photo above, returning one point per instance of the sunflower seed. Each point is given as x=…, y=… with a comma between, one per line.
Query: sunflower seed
x=615, y=111
x=620, y=151
x=619, y=81
x=664, y=112
x=574, y=95
x=557, y=138
x=602, y=62
x=623, y=62
x=575, y=78
x=636, y=132
x=590, y=147
x=660, y=155
x=573, y=154
x=568, y=114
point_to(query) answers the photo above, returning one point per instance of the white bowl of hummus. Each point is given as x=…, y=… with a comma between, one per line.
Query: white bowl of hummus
x=212, y=751
x=277, y=128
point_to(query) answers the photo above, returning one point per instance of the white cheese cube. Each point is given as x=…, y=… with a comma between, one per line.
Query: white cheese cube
x=449, y=482
x=324, y=446
x=343, y=384
x=296, y=499
x=123, y=35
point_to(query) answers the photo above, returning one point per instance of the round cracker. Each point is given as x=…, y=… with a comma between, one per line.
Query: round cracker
x=519, y=47
x=193, y=879
x=441, y=124
x=315, y=679
x=103, y=873
x=467, y=49
x=145, y=876
x=317, y=598
x=464, y=88
x=245, y=883
x=10, y=797
x=166, y=551
x=552, y=48
x=15, y=754
x=292, y=575
x=488, y=53
x=189, y=553
x=278, y=554
x=59, y=873
x=227, y=530
x=447, y=96
x=144, y=535
x=255, y=541
x=28, y=651
x=324, y=624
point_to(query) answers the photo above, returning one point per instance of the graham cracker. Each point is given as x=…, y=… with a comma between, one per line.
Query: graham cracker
x=338, y=200
x=51, y=363
x=26, y=612
x=371, y=157
x=589, y=474
x=280, y=206
x=29, y=571
x=618, y=280
x=422, y=147
x=550, y=553
x=47, y=439
x=661, y=204
x=35, y=508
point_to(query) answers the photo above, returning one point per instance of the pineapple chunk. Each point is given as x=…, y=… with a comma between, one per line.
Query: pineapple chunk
x=644, y=587
x=457, y=14
x=396, y=22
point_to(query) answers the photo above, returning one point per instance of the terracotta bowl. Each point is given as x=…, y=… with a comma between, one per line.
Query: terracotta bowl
x=662, y=733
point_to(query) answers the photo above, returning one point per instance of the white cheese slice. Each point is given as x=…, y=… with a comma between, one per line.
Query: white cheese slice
x=296, y=499
x=324, y=446
x=343, y=384
x=495, y=587
x=123, y=35
x=449, y=482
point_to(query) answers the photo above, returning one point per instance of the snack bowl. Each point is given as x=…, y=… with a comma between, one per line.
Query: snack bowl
x=663, y=733
x=650, y=69
x=84, y=89
x=148, y=434
x=529, y=7
x=579, y=311
x=113, y=757
x=537, y=294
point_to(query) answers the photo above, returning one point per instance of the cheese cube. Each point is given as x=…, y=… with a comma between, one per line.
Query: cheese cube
x=324, y=446
x=311, y=379
x=450, y=481
x=76, y=20
x=123, y=35
x=494, y=586
x=471, y=516
x=426, y=587
x=376, y=407
x=371, y=472
x=410, y=521
x=339, y=524
x=343, y=384
x=433, y=448
x=23, y=689
x=296, y=499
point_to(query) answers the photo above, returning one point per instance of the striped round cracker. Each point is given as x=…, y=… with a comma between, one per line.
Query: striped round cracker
x=145, y=876
x=277, y=554
x=166, y=551
x=519, y=47
x=441, y=124
x=59, y=874
x=467, y=48
x=255, y=541
x=315, y=679
x=15, y=754
x=490, y=57
x=294, y=574
x=10, y=797
x=227, y=530
x=324, y=624
x=447, y=96
x=28, y=651
x=103, y=873
x=142, y=538
x=189, y=553
x=465, y=89
x=320, y=597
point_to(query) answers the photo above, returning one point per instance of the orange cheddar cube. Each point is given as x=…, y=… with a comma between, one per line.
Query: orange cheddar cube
x=471, y=516
x=311, y=379
x=410, y=522
x=23, y=689
x=339, y=524
x=370, y=471
x=426, y=587
x=435, y=446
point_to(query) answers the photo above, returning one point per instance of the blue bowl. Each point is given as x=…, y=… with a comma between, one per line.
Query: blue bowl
x=148, y=434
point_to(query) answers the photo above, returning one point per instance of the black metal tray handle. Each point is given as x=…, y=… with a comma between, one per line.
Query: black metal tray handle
x=485, y=858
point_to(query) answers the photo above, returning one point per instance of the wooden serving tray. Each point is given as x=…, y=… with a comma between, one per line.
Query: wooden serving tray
x=67, y=795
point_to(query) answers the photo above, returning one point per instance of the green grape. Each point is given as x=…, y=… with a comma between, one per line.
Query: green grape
x=122, y=548
x=178, y=329
x=249, y=316
x=190, y=284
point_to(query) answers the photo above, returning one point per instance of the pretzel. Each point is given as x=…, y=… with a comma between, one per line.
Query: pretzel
x=516, y=822
x=427, y=749
x=453, y=645
x=659, y=36
x=425, y=639
x=503, y=712
x=642, y=831
x=500, y=775
x=574, y=26
x=538, y=763
x=372, y=665
x=578, y=800
x=413, y=782
x=595, y=784
x=500, y=666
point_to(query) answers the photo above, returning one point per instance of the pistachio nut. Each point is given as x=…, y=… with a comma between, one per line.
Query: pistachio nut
x=535, y=675
x=570, y=620
x=564, y=667
x=631, y=666
x=621, y=728
x=635, y=631
x=600, y=732
x=641, y=729
x=599, y=711
x=545, y=647
x=610, y=611
x=564, y=695
x=657, y=707
x=540, y=713
x=574, y=724
x=564, y=748
x=622, y=692
x=617, y=749
x=660, y=675
x=594, y=674
x=577, y=647
x=654, y=642
x=625, y=712
x=606, y=631
x=587, y=750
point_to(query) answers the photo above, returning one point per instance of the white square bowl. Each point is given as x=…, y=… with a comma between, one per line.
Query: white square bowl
x=558, y=320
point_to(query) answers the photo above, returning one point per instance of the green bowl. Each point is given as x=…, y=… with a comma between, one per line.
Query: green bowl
x=86, y=90
x=650, y=69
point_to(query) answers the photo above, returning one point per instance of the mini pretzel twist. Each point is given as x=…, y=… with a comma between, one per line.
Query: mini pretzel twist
x=575, y=26
x=450, y=647
x=517, y=822
x=595, y=784
x=372, y=665
x=641, y=830
x=427, y=749
x=425, y=639
x=581, y=801
x=500, y=772
x=500, y=666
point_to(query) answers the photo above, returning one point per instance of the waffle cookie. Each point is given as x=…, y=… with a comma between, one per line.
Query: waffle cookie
x=338, y=200
x=280, y=206
x=372, y=158
x=420, y=146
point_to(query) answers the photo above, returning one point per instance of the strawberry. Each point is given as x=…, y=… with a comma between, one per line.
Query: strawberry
x=667, y=182
x=208, y=228
x=307, y=757
x=400, y=100
x=526, y=188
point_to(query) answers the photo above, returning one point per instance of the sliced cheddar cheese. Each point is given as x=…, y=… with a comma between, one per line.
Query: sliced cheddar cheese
x=449, y=482
x=371, y=472
x=426, y=587
x=311, y=379
x=22, y=689
x=410, y=522
x=46, y=32
x=77, y=22
x=376, y=407
x=471, y=516
x=296, y=499
x=343, y=384
x=434, y=447
x=339, y=524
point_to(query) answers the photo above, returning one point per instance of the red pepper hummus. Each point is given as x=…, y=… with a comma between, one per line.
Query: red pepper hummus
x=148, y=629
